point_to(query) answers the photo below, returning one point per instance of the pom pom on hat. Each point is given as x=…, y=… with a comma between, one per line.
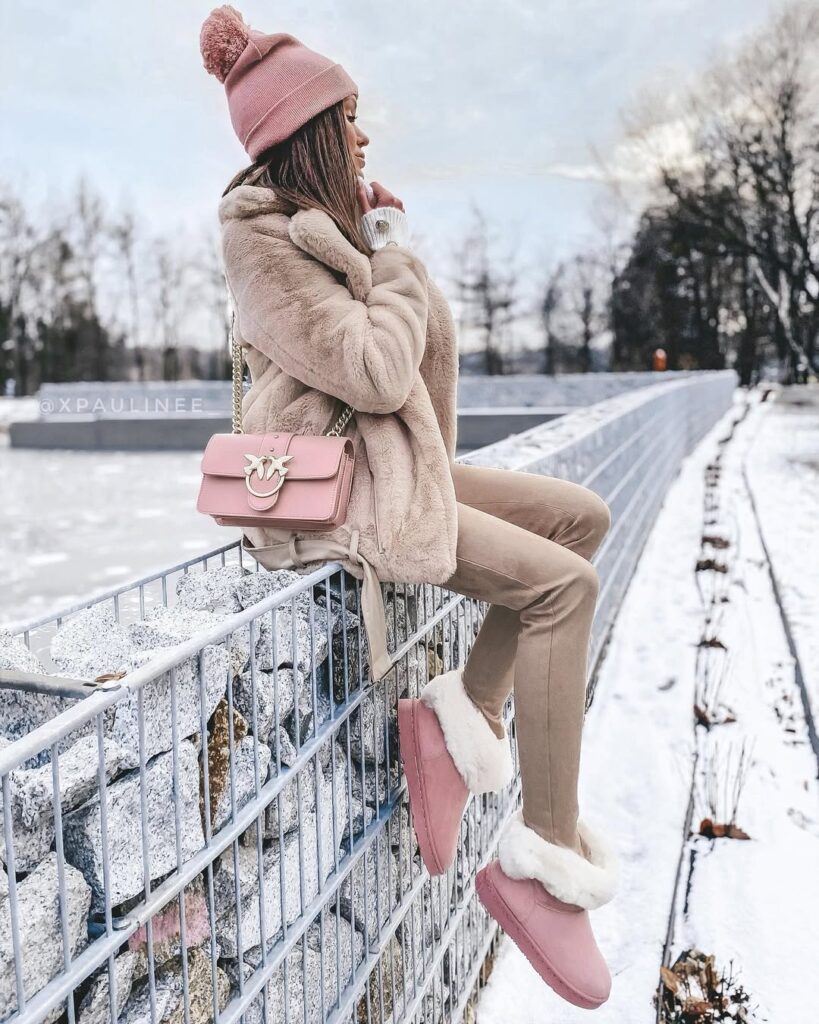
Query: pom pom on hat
x=222, y=39
x=273, y=82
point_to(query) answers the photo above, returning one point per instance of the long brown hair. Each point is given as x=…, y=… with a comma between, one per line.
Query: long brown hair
x=313, y=167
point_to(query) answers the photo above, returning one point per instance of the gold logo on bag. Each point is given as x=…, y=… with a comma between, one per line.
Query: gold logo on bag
x=256, y=464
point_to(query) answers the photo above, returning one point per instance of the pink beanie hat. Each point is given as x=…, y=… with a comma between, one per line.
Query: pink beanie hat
x=274, y=83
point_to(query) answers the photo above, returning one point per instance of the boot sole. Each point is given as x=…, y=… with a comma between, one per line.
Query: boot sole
x=495, y=905
x=408, y=749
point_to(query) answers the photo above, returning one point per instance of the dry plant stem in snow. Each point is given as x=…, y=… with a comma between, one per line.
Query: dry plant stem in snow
x=713, y=669
x=694, y=991
x=723, y=771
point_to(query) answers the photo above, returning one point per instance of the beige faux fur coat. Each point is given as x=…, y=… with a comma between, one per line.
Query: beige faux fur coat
x=322, y=324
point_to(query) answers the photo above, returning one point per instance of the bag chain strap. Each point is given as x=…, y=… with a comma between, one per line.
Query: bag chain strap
x=238, y=356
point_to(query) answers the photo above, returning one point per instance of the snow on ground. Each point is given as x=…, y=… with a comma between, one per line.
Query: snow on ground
x=783, y=468
x=13, y=409
x=74, y=523
x=753, y=901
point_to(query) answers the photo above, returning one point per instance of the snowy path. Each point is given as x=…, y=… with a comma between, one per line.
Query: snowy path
x=784, y=474
x=757, y=902
x=637, y=767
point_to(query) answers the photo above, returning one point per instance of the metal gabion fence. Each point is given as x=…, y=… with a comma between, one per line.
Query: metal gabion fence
x=203, y=814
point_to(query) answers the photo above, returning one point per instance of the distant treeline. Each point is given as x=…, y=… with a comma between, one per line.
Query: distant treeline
x=718, y=264
x=87, y=295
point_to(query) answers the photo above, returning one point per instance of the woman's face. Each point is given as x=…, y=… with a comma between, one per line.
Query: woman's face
x=356, y=138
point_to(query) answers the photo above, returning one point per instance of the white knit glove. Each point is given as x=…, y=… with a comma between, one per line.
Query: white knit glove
x=385, y=224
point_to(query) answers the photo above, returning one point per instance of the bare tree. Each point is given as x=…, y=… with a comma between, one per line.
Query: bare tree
x=749, y=177
x=124, y=235
x=584, y=306
x=549, y=306
x=487, y=295
x=211, y=290
x=586, y=287
x=88, y=230
x=169, y=293
x=18, y=247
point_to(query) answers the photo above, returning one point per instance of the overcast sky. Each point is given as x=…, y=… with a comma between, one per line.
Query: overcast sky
x=499, y=103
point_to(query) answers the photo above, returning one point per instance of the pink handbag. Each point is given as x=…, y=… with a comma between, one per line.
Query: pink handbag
x=295, y=481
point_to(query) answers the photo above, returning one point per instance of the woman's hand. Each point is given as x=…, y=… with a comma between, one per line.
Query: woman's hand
x=381, y=197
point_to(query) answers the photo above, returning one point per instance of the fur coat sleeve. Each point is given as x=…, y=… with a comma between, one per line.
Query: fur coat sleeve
x=363, y=351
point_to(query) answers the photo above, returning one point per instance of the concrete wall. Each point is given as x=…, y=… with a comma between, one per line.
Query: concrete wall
x=157, y=416
x=121, y=398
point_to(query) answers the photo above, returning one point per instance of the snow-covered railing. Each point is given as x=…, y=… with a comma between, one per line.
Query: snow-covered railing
x=219, y=829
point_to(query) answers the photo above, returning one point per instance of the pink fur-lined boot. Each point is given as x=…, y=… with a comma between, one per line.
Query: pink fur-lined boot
x=540, y=894
x=449, y=751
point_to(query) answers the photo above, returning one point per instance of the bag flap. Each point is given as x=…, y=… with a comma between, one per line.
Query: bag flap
x=313, y=456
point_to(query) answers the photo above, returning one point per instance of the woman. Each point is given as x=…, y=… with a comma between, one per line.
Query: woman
x=334, y=307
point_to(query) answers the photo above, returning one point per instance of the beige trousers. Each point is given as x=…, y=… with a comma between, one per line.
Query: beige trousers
x=524, y=545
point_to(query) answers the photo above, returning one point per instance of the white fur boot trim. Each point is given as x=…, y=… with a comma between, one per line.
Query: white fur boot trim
x=483, y=759
x=562, y=872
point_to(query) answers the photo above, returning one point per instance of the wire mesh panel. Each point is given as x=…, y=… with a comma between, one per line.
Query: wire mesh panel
x=203, y=813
